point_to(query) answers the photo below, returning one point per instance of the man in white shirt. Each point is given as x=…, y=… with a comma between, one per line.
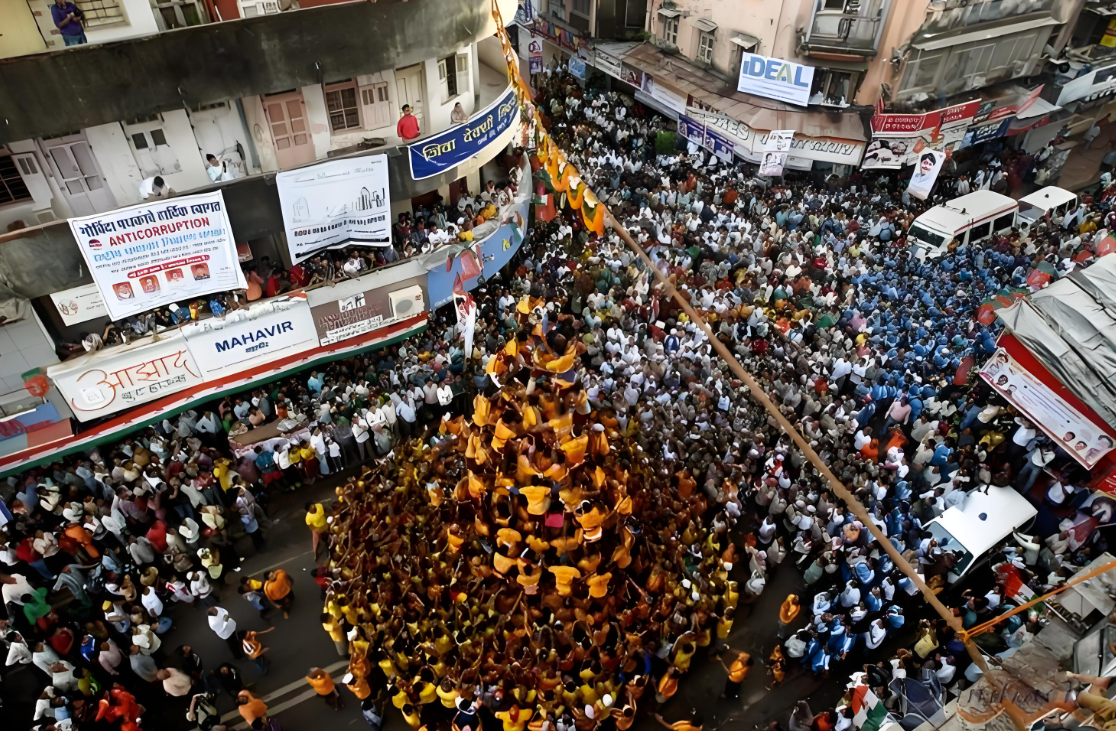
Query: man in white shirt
x=155, y=187
x=405, y=410
x=445, y=396
x=360, y=433
x=224, y=627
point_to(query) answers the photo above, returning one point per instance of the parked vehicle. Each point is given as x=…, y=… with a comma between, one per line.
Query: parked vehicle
x=973, y=528
x=970, y=219
x=1051, y=199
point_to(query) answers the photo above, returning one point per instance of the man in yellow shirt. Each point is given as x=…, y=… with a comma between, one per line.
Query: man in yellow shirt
x=316, y=519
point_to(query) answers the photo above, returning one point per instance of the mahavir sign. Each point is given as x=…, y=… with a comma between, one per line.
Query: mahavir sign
x=775, y=79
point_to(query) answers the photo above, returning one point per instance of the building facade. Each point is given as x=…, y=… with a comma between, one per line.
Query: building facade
x=265, y=88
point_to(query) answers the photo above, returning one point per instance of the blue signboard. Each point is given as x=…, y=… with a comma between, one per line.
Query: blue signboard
x=441, y=152
x=983, y=134
x=721, y=146
x=496, y=251
x=691, y=130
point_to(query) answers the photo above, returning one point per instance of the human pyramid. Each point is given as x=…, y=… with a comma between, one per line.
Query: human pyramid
x=532, y=552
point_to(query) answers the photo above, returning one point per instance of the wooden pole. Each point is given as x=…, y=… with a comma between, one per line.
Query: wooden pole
x=838, y=488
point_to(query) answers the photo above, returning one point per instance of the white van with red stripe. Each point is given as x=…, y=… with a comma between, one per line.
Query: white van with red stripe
x=970, y=219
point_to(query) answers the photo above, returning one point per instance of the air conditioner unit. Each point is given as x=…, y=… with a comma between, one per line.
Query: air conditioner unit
x=406, y=302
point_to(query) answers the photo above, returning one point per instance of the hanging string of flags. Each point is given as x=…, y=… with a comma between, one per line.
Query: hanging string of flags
x=556, y=173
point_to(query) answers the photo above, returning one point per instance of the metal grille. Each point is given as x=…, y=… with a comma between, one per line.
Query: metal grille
x=12, y=187
x=101, y=12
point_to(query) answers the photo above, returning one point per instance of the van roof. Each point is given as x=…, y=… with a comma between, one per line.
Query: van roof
x=1003, y=510
x=977, y=206
x=1048, y=197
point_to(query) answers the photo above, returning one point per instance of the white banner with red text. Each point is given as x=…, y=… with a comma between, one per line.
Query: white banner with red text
x=153, y=254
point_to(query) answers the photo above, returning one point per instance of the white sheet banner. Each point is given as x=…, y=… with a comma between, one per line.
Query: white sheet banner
x=107, y=381
x=153, y=254
x=79, y=304
x=467, y=319
x=776, y=150
x=1069, y=428
x=244, y=338
x=336, y=204
x=925, y=173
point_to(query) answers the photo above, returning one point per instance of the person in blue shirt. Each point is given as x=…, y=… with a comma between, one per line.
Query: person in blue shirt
x=68, y=19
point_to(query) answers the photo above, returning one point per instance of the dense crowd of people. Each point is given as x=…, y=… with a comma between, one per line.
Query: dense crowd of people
x=808, y=282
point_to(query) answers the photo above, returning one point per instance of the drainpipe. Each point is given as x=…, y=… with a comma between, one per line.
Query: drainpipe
x=254, y=157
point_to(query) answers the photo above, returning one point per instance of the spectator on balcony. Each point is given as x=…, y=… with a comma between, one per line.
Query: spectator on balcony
x=215, y=169
x=408, y=126
x=154, y=187
x=458, y=115
x=68, y=20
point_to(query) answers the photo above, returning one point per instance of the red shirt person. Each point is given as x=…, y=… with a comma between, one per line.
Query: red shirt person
x=408, y=126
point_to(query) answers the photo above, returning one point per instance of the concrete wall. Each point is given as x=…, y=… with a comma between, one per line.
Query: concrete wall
x=25, y=345
x=21, y=34
x=260, y=133
x=218, y=131
x=437, y=111
x=118, y=163
x=904, y=19
x=52, y=93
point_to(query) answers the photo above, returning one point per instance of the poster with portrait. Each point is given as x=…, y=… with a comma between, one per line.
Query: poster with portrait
x=1065, y=425
x=927, y=166
x=776, y=150
x=886, y=154
x=335, y=204
x=156, y=253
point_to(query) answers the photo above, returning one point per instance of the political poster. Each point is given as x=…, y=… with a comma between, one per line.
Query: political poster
x=336, y=204
x=925, y=173
x=242, y=338
x=438, y=153
x=774, y=78
x=719, y=145
x=153, y=254
x=79, y=304
x=776, y=150
x=1065, y=425
x=692, y=130
x=466, y=308
x=535, y=54
x=107, y=381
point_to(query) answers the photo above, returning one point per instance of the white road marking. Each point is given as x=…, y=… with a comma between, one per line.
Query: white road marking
x=300, y=683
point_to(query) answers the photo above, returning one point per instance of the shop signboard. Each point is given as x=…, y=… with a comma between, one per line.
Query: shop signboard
x=107, y=381
x=245, y=338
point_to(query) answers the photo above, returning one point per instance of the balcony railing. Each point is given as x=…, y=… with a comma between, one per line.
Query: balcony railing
x=853, y=28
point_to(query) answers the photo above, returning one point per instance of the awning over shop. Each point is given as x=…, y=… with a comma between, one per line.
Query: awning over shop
x=1039, y=108
x=942, y=40
x=1070, y=327
x=708, y=91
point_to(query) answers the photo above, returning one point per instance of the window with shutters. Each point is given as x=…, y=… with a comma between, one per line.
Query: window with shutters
x=705, y=48
x=453, y=75
x=376, y=100
x=670, y=31
x=342, y=106
x=12, y=187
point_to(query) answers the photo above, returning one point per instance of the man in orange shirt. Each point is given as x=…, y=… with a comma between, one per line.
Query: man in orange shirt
x=323, y=685
x=278, y=589
x=737, y=670
x=251, y=706
x=787, y=613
